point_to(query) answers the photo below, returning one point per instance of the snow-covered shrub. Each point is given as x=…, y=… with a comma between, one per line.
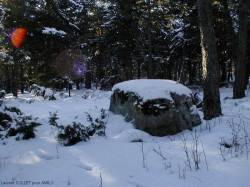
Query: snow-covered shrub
x=4, y=116
x=46, y=93
x=13, y=110
x=53, y=119
x=72, y=134
x=49, y=94
x=98, y=125
x=13, y=123
x=88, y=94
x=5, y=121
x=77, y=132
x=23, y=129
x=37, y=90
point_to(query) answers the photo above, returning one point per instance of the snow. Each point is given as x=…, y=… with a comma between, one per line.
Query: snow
x=118, y=158
x=75, y=3
x=3, y=55
x=150, y=89
x=53, y=31
x=131, y=135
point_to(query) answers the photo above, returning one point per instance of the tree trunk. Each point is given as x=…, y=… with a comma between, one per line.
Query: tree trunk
x=230, y=39
x=88, y=80
x=14, y=81
x=139, y=62
x=248, y=57
x=78, y=84
x=210, y=66
x=22, y=84
x=126, y=35
x=240, y=66
x=247, y=74
x=8, y=81
x=150, y=64
x=100, y=59
x=69, y=87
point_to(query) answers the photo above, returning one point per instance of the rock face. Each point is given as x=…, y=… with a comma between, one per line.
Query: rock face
x=2, y=94
x=159, y=107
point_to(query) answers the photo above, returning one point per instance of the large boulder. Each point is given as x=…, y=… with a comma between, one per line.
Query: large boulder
x=46, y=93
x=2, y=94
x=159, y=107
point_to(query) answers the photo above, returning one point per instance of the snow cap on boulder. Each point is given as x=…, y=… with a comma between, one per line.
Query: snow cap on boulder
x=150, y=89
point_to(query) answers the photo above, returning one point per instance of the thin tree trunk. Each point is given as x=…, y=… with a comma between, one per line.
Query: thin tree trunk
x=14, y=81
x=139, y=62
x=231, y=40
x=88, y=80
x=247, y=74
x=69, y=87
x=7, y=78
x=22, y=78
x=210, y=66
x=150, y=73
x=77, y=84
x=240, y=66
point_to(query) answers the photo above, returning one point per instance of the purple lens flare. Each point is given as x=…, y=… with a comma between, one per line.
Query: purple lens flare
x=79, y=68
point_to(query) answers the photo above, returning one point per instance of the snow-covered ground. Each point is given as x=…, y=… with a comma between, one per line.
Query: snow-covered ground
x=120, y=160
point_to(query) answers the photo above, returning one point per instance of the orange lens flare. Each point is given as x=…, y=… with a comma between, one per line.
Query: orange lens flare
x=18, y=36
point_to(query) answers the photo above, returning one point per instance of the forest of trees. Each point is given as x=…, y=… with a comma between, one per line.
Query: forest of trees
x=202, y=42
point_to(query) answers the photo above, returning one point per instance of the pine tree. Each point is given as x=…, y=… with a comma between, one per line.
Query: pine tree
x=211, y=102
x=240, y=66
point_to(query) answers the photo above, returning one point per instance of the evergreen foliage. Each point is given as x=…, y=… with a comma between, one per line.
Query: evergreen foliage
x=14, y=123
x=120, y=40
